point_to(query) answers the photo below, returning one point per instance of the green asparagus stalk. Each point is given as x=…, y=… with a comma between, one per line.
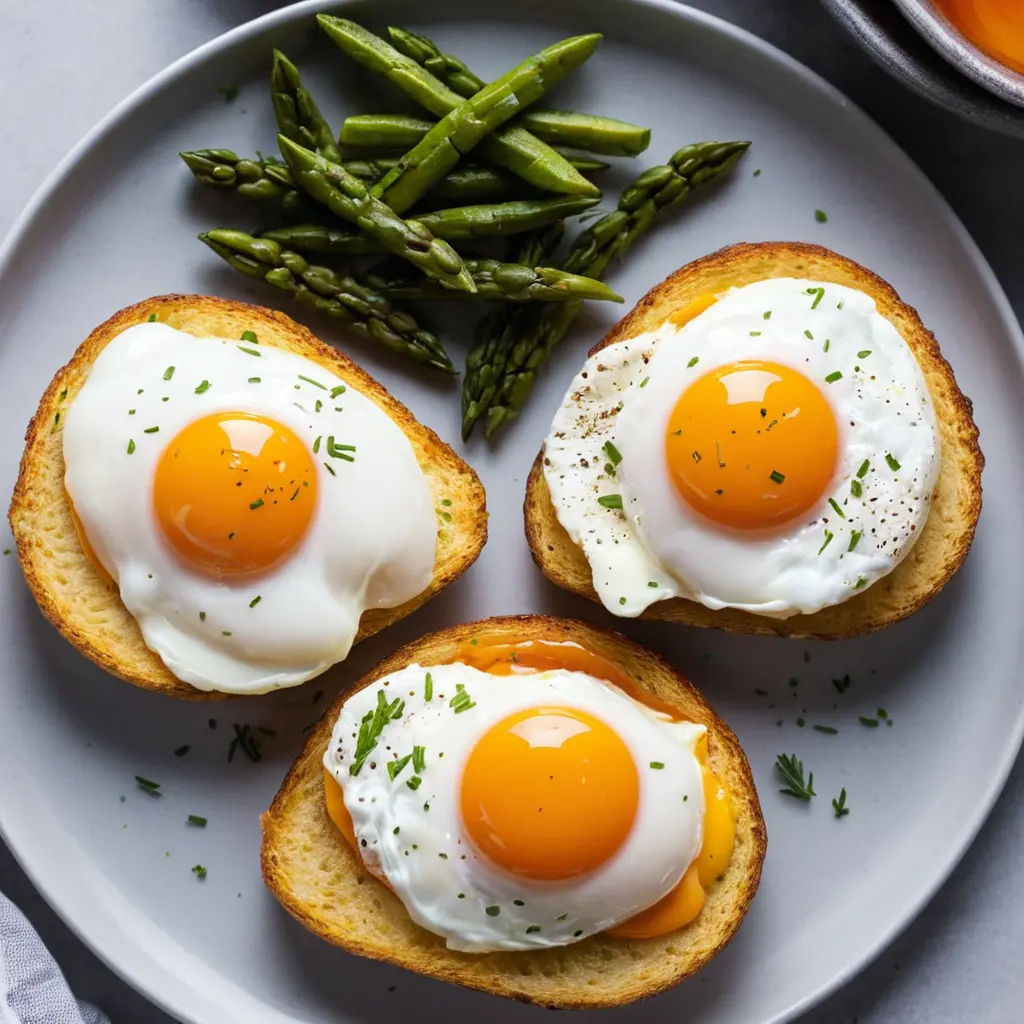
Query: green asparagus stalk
x=347, y=197
x=495, y=334
x=367, y=132
x=511, y=147
x=298, y=116
x=365, y=310
x=512, y=282
x=459, y=222
x=527, y=343
x=477, y=117
x=589, y=132
x=273, y=182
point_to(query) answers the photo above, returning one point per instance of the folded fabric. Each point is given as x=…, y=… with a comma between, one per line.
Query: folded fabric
x=32, y=988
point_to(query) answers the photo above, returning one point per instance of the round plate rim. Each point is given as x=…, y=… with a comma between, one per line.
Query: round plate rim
x=183, y=65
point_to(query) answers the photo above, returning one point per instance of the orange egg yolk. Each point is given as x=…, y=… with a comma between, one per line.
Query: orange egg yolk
x=234, y=494
x=549, y=793
x=994, y=26
x=564, y=854
x=752, y=445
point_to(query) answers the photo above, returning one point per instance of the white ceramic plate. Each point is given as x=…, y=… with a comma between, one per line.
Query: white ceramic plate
x=117, y=222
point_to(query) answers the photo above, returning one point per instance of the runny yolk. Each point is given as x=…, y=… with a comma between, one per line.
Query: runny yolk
x=693, y=309
x=549, y=793
x=752, y=445
x=555, y=851
x=234, y=494
x=994, y=26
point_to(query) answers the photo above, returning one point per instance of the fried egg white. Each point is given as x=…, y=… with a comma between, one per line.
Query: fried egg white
x=448, y=811
x=775, y=453
x=249, y=504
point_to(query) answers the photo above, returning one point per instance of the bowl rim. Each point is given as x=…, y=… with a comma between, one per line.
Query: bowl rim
x=947, y=40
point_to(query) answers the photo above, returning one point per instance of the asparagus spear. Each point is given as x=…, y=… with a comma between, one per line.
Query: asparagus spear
x=485, y=363
x=475, y=118
x=514, y=282
x=528, y=341
x=298, y=116
x=456, y=223
x=349, y=198
x=368, y=312
x=383, y=131
x=562, y=127
x=512, y=147
x=273, y=182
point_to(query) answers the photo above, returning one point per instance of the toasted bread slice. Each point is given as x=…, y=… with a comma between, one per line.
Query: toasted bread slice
x=956, y=501
x=323, y=883
x=84, y=605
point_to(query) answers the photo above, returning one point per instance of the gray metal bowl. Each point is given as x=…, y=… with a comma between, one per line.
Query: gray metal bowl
x=898, y=43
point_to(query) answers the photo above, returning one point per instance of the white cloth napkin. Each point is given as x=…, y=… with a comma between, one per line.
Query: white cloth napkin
x=32, y=988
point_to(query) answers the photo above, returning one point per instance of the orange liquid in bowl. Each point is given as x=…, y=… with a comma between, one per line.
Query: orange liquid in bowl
x=996, y=27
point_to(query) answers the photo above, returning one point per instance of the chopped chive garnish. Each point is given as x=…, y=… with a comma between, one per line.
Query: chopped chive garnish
x=169, y=373
x=151, y=430
x=755, y=334
x=202, y=387
x=131, y=412
x=316, y=445
x=828, y=540
x=195, y=819
x=532, y=928
x=808, y=335
x=250, y=336
x=315, y=383
x=856, y=489
x=492, y=911
x=253, y=505
x=767, y=314
x=330, y=469
x=835, y=505
x=340, y=451
x=225, y=632
x=255, y=601
x=622, y=600
x=776, y=477
x=199, y=871
x=839, y=807
x=183, y=750
x=834, y=376
x=419, y=759
x=613, y=453
x=518, y=903
x=854, y=538
x=861, y=582
x=428, y=688
x=249, y=351
x=295, y=494
x=610, y=501
x=371, y=726
x=414, y=784
x=821, y=216
x=148, y=785
x=318, y=406
x=696, y=456
x=818, y=293
x=447, y=502
x=826, y=346
x=826, y=729
x=864, y=467
x=871, y=723
x=131, y=446
x=893, y=464
x=653, y=584
x=255, y=380
x=658, y=765
x=395, y=767
x=339, y=390
x=643, y=383
x=151, y=318
x=864, y=353
x=202, y=616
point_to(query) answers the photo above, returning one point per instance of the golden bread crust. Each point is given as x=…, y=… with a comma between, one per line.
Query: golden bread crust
x=322, y=882
x=83, y=605
x=956, y=502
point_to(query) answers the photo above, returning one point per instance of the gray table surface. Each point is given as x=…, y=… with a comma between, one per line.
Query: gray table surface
x=66, y=64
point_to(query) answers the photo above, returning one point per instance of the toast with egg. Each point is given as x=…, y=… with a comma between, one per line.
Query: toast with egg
x=323, y=883
x=956, y=501
x=84, y=604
